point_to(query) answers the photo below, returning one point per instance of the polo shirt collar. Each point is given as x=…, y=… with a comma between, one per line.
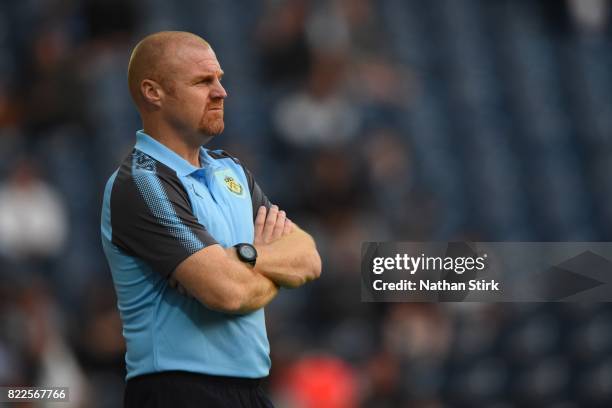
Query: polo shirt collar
x=163, y=154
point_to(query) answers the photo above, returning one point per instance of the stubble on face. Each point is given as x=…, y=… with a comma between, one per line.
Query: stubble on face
x=211, y=123
x=212, y=113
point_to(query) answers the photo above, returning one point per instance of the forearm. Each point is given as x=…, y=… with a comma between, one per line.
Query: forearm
x=216, y=278
x=289, y=261
x=256, y=294
x=255, y=291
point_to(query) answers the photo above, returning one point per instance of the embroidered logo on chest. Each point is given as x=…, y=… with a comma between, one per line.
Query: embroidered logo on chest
x=230, y=181
x=233, y=185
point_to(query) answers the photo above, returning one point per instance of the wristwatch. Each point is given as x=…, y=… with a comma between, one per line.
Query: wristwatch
x=246, y=253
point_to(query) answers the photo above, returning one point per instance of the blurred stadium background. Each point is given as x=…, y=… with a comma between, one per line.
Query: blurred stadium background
x=366, y=120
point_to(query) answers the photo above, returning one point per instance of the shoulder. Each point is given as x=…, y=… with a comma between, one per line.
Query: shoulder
x=233, y=162
x=138, y=164
x=223, y=155
x=140, y=177
x=229, y=160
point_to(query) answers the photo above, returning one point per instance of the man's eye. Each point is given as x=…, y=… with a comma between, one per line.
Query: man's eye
x=208, y=81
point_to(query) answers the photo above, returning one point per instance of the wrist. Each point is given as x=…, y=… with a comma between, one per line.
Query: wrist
x=246, y=253
x=262, y=255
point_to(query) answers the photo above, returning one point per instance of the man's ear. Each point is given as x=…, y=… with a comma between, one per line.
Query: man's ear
x=151, y=92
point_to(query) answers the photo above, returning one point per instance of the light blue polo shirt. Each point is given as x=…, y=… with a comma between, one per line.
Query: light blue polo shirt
x=158, y=210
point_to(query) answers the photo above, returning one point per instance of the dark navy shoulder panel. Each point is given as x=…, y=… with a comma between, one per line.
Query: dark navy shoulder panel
x=222, y=154
x=151, y=214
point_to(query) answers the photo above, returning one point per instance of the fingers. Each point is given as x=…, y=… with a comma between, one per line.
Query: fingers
x=260, y=219
x=288, y=228
x=279, y=226
x=270, y=223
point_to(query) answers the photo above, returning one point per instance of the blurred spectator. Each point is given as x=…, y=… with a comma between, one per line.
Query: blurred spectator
x=406, y=210
x=318, y=382
x=33, y=219
x=590, y=15
x=416, y=331
x=34, y=335
x=327, y=30
x=51, y=90
x=382, y=387
x=285, y=55
x=365, y=27
x=319, y=115
x=9, y=111
x=99, y=345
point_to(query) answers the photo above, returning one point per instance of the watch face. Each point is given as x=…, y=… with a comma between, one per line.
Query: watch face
x=247, y=252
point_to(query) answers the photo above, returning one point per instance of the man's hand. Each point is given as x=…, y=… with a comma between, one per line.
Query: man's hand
x=289, y=262
x=271, y=225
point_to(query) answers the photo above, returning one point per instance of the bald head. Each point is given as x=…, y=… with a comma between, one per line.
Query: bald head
x=156, y=58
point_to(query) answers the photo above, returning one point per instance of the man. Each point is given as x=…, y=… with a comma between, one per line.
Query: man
x=195, y=248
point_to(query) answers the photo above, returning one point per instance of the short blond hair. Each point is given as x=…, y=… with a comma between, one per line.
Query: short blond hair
x=152, y=58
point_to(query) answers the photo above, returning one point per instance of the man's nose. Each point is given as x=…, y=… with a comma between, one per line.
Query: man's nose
x=218, y=91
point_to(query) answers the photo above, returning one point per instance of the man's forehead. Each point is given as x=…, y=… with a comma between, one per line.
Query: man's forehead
x=197, y=56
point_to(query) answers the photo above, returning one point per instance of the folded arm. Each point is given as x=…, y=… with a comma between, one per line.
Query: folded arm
x=218, y=279
x=289, y=255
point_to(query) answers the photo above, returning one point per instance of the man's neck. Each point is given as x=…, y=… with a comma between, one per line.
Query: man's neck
x=175, y=142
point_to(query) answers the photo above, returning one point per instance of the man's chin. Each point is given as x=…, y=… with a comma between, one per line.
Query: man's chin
x=211, y=131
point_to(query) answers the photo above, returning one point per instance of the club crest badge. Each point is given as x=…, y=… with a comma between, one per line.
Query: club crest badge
x=228, y=178
x=233, y=185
